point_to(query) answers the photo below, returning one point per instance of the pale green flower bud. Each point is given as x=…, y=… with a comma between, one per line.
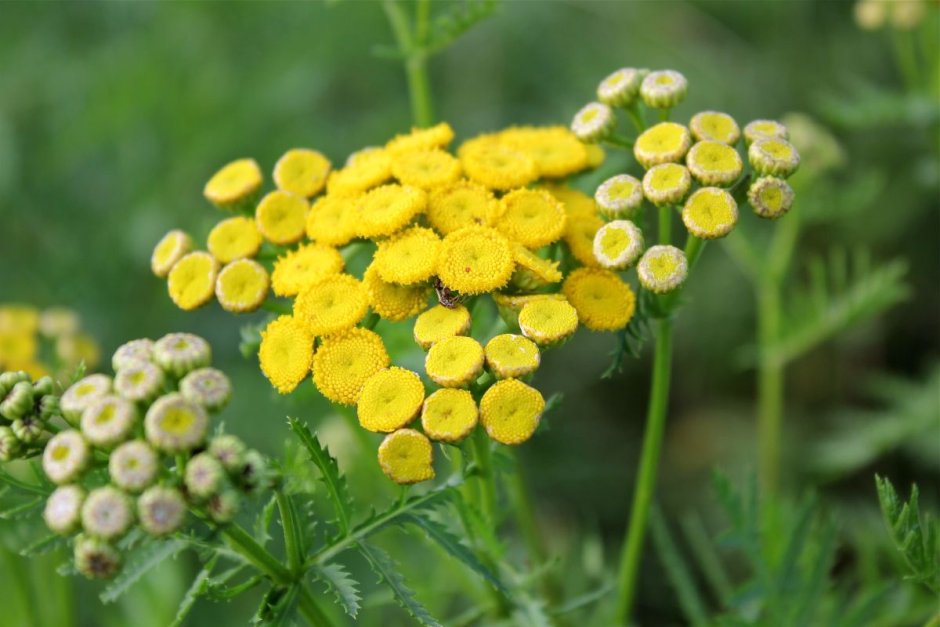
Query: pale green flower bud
x=139, y=381
x=593, y=122
x=180, y=353
x=65, y=457
x=207, y=387
x=161, y=510
x=175, y=425
x=18, y=401
x=109, y=420
x=764, y=129
x=773, y=157
x=715, y=126
x=230, y=451
x=10, y=445
x=770, y=197
x=621, y=88
x=96, y=558
x=63, y=511
x=224, y=506
x=82, y=394
x=49, y=407
x=9, y=379
x=663, y=89
x=662, y=269
x=204, y=476
x=132, y=352
x=133, y=466
x=107, y=513
x=618, y=244
x=255, y=473
x=43, y=387
x=28, y=428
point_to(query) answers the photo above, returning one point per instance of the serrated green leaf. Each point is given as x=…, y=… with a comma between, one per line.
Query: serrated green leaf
x=276, y=608
x=43, y=545
x=677, y=571
x=263, y=521
x=461, y=17
x=21, y=509
x=196, y=589
x=142, y=562
x=387, y=571
x=344, y=588
x=335, y=482
x=632, y=338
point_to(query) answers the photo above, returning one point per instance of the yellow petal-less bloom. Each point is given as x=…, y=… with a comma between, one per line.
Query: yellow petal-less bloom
x=449, y=415
x=510, y=356
x=409, y=257
x=282, y=217
x=509, y=305
x=234, y=238
x=548, y=321
x=710, y=212
x=556, y=151
x=328, y=220
x=576, y=203
x=406, y=457
x=510, y=411
x=332, y=304
x=663, y=143
x=773, y=157
x=603, y=301
x=343, y=363
x=620, y=195
x=491, y=163
x=662, y=269
x=454, y=361
x=618, y=244
x=368, y=169
x=302, y=171
x=286, y=353
x=532, y=217
x=234, y=185
x=713, y=163
x=764, y=129
x=579, y=236
x=770, y=197
x=621, y=88
x=395, y=302
x=426, y=169
x=663, y=89
x=666, y=184
x=19, y=319
x=168, y=251
x=390, y=399
x=440, y=322
x=387, y=209
x=307, y=264
x=462, y=204
x=716, y=127
x=437, y=136
x=593, y=122
x=192, y=280
x=242, y=286
x=474, y=260
x=532, y=271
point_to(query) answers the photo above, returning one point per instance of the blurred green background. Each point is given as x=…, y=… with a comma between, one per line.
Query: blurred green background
x=113, y=115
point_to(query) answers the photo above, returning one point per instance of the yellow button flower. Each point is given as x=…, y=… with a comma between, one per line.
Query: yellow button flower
x=579, y=236
x=437, y=136
x=19, y=319
x=773, y=157
x=328, y=221
x=620, y=195
x=234, y=185
x=532, y=271
x=282, y=217
x=454, y=361
x=286, y=353
x=710, y=212
x=332, y=304
x=474, y=260
x=713, y=163
x=449, y=415
x=603, y=301
x=532, y=217
x=440, y=322
x=427, y=169
x=491, y=163
x=387, y=209
x=390, y=399
x=169, y=250
x=365, y=171
x=510, y=411
x=548, y=321
x=556, y=151
x=192, y=280
x=666, y=184
x=716, y=127
x=302, y=171
x=307, y=264
x=620, y=88
x=395, y=302
x=770, y=197
x=663, y=143
x=406, y=457
x=662, y=269
x=663, y=89
x=618, y=244
x=510, y=356
x=461, y=204
x=593, y=122
x=234, y=238
x=575, y=202
x=242, y=286
x=509, y=305
x=764, y=129
x=409, y=257
x=343, y=363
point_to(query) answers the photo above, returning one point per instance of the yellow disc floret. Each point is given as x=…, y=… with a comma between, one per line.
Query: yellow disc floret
x=169, y=250
x=440, y=322
x=305, y=265
x=282, y=217
x=332, y=304
x=406, y=456
x=427, y=169
x=234, y=238
x=387, y=209
x=510, y=411
x=286, y=353
x=454, y=361
x=449, y=415
x=395, y=302
x=474, y=260
x=344, y=362
x=462, y=204
x=491, y=163
x=409, y=257
x=710, y=212
x=556, y=151
x=532, y=217
x=234, y=185
x=242, y=286
x=663, y=143
x=437, y=136
x=603, y=301
x=548, y=321
x=510, y=356
x=328, y=221
x=716, y=127
x=713, y=163
x=662, y=269
x=618, y=244
x=192, y=280
x=666, y=184
x=368, y=169
x=302, y=171
x=532, y=271
x=509, y=305
x=390, y=399
x=579, y=236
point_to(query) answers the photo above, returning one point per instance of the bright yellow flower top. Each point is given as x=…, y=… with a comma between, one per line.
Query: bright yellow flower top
x=532, y=271
x=575, y=202
x=242, y=286
x=437, y=136
x=427, y=169
x=390, y=399
x=714, y=163
x=495, y=165
x=406, y=457
x=449, y=415
x=510, y=356
x=663, y=143
x=395, y=302
x=343, y=363
x=474, y=260
x=461, y=204
x=548, y=321
x=286, y=353
x=386, y=209
x=710, y=212
x=365, y=171
x=191, y=282
x=168, y=251
x=282, y=217
x=234, y=238
x=332, y=304
x=715, y=126
x=603, y=301
x=307, y=264
x=454, y=361
x=510, y=305
x=510, y=411
x=302, y=171
x=409, y=257
x=328, y=220
x=579, y=236
x=532, y=217
x=440, y=322
x=235, y=184
x=666, y=184
x=556, y=151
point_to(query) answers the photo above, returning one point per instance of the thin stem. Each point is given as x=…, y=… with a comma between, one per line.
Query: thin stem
x=293, y=543
x=243, y=543
x=770, y=381
x=664, y=115
x=310, y=610
x=665, y=224
x=411, y=46
x=636, y=116
x=619, y=141
x=481, y=449
x=905, y=55
x=646, y=478
x=693, y=249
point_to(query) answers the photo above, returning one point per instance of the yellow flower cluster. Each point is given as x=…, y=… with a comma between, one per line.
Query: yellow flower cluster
x=25, y=329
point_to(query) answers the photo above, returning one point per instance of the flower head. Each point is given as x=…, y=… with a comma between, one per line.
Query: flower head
x=548, y=321
x=509, y=305
x=282, y=217
x=764, y=129
x=437, y=136
x=663, y=89
x=170, y=249
x=161, y=510
x=710, y=212
x=532, y=217
x=63, y=509
x=133, y=466
x=106, y=513
x=666, y=184
x=716, y=127
x=96, y=558
x=368, y=169
x=139, y=381
x=461, y=204
x=387, y=209
x=179, y=353
x=230, y=451
x=390, y=399
x=510, y=356
x=454, y=361
x=489, y=162
x=83, y=393
x=603, y=301
x=328, y=220
x=406, y=456
x=332, y=304
x=207, y=387
x=234, y=185
x=618, y=244
x=449, y=415
x=621, y=88
x=620, y=195
x=662, y=269
x=579, y=236
x=305, y=265
x=234, y=238
x=593, y=122
x=223, y=507
x=58, y=321
x=663, y=143
x=426, y=169
x=286, y=353
x=440, y=322
x=192, y=280
x=555, y=150
x=204, y=476
x=301, y=171
x=344, y=362
x=132, y=352
x=242, y=286
x=510, y=411
x=108, y=420
x=409, y=257
x=532, y=271
x=392, y=301
x=714, y=163
x=770, y=197
x=474, y=260
x=773, y=157
x=18, y=401
x=175, y=425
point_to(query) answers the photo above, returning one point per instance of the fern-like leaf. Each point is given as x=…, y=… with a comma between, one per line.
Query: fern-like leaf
x=677, y=571
x=329, y=470
x=145, y=559
x=630, y=339
x=196, y=589
x=338, y=581
x=915, y=536
x=461, y=17
x=387, y=571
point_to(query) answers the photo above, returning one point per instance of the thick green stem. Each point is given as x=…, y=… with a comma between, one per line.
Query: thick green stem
x=260, y=558
x=646, y=477
x=693, y=249
x=21, y=585
x=293, y=542
x=665, y=224
x=310, y=610
x=411, y=46
x=769, y=385
x=484, y=459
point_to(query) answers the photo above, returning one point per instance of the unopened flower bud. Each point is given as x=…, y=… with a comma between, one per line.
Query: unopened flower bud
x=133, y=466
x=715, y=126
x=621, y=88
x=10, y=445
x=224, y=506
x=593, y=122
x=770, y=197
x=204, y=476
x=619, y=196
x=28, y=428
x=666, y=184
x=82, y=394
x=207, y=387
x=710, y=212
x=65, y=457
x=9, y=379
x=49, y=407
x=109, y=420
x=618, y=244
x=44, y=386
x=180, y=353
x=18, y=402
x=139, y=381
x=63, y=511
x=230, y=451
x=161, y=510
x=107, y=513
x=666, y=142
x=96, y=558
x=175, y=425
x=663, y=89
x=131, y=352
x=764, y=129
x=773, y=157
x=713, y=163
x=255, y=473
x=662, y=269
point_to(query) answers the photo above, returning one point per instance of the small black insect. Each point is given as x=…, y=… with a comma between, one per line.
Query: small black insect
x=446, y=296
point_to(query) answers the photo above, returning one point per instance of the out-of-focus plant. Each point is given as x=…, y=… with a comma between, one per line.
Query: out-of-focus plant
x=50, y=341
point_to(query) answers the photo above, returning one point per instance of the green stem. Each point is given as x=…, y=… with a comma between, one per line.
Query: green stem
x=293, y=542
x=276, y=307
x=19, y=574
x=619, y=141
x=411, y=46
x=665, y=224
x=693, y=249
x=260, y=558
x=646, y=478
x=481, y=449
x=770, y=383
x=905, y=55
x=664, y=115
x=310, y=610
x=636, y=116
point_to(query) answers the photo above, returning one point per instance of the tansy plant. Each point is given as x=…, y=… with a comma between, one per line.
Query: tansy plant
x=50, y=341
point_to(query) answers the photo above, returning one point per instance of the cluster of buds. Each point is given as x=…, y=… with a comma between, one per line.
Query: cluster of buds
x=44, y=342
x=132, y=449
x=898, y=14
